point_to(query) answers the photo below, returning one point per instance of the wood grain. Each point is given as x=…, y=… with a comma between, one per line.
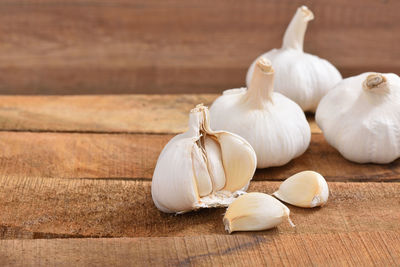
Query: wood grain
x=124, y=208
x=103, y=113
x=134, y=156
x=332, y=249
x=97, y=46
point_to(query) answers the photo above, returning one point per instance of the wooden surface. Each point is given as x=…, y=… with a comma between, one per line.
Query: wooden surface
x=333, y=249
x=75, y=180
x=121, y=46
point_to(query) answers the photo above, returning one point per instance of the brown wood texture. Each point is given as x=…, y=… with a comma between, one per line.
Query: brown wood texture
x=48, y=208
x=134, y=156
x=332, y=249
x=97, y=46
x=103, y=113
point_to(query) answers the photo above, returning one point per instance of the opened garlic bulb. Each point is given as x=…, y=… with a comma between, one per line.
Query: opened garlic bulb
x=255, y=212
x=360, y=117
x=302, y=77
x=305, y=189
x=201, y=167
x=273, y=124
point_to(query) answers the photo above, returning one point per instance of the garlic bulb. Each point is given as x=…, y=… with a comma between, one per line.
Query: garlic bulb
x=302, y=77
x=255, y=212
x=201, y=167
x=305, y=189
x=273, y=124
x=361, y=117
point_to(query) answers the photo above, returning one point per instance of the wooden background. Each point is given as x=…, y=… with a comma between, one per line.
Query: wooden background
x=176, y=46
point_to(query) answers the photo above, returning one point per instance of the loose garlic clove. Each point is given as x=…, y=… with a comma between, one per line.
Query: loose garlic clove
x=361, y=118
x=305, y=189
x=274, y=125
x=202, y=168
x=302, y=77
x=255, y=212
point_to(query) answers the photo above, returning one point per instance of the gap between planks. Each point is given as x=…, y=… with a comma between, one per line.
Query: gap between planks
x=130, y=114
x=105, y=156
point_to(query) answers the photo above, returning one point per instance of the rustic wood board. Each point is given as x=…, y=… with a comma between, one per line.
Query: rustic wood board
x=104, y=114
x=124, y=208
x=122, y=46
x=134, y=156
x=332, y=249
x=79, y=167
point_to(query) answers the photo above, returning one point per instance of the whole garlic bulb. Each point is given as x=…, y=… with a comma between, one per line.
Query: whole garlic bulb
x=273, y=124
x=360, y=117
x=255, y=212
x=307, y=189
x=201, y=167
x=302, y=77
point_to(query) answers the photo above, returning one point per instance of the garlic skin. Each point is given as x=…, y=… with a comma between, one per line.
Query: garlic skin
x=255, y=212
x=307, y=189
x=360, y=117
x=201, y=168
x=273, y=124
x=302, y=77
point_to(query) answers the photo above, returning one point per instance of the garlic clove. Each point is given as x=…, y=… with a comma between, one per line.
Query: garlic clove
x=174, y=186
x=238, y=160
x=255, y=212
x=215, y=165
x=202, y=176
x=305, y=189
x=202, y=168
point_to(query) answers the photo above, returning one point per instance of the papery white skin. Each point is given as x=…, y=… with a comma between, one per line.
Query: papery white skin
x=255, y=212
x=302, y=77
x=363, y=124
x=305, y=189
x=273, y=124
x=183, y=182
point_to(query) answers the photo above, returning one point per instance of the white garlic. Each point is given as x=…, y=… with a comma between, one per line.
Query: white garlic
x=201, y=167
x=305, y=189
x=255, y=212
x=360, y=117
x=302, y=77
x=273, y=124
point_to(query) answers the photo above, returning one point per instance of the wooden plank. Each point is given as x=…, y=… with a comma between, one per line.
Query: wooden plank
x=124, y=208
x=110, y=113
x=86, y=47
x=123, y=156
x=332, y=249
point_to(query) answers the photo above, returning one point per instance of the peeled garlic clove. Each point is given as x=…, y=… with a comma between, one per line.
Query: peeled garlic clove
x=302, y=77
x=361, y=117
x=274, y=125
x=255, y=212
x=201, y=168
x=305, y=189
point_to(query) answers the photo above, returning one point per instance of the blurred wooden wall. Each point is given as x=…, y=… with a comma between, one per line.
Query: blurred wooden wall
x=178, y=46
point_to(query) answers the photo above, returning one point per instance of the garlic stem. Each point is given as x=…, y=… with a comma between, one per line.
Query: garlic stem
x=375, y=82
x=262, y=84
x=294, y=34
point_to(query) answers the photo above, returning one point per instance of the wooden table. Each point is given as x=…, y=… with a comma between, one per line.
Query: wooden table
x=75, y=174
